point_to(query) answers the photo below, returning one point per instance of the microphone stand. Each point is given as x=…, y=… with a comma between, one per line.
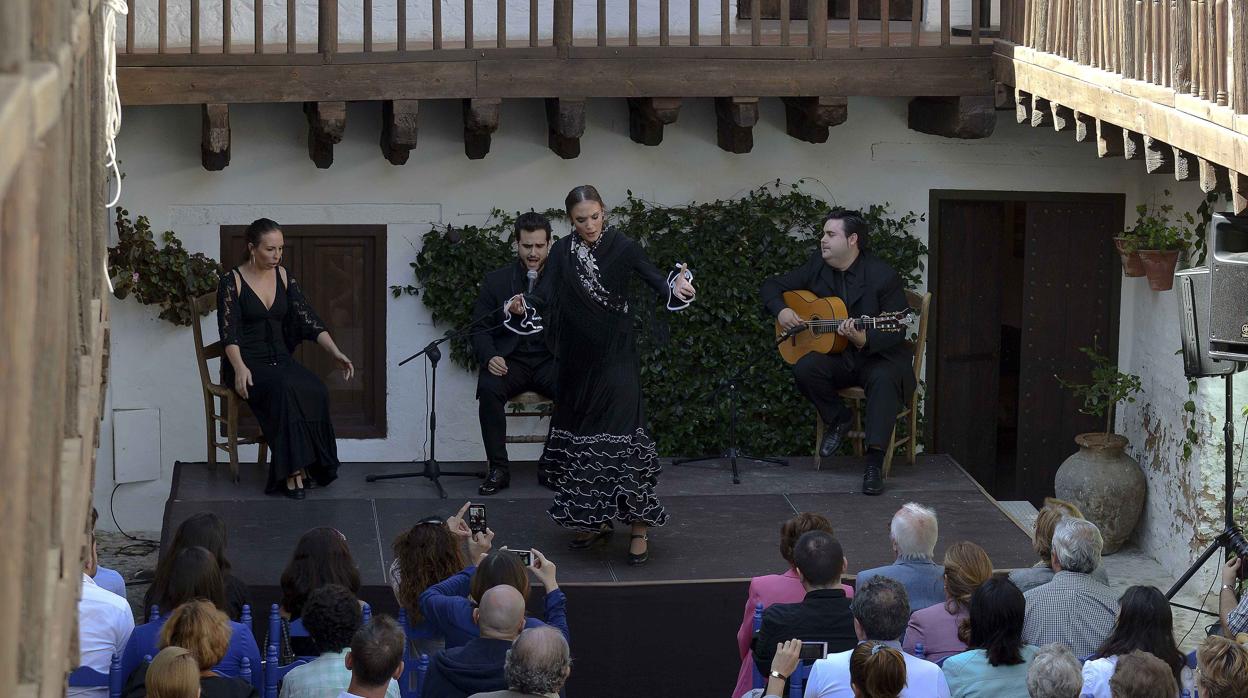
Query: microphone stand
x=732, y=453
x=431, y=469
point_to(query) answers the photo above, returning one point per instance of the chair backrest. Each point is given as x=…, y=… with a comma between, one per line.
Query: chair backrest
x=273, y=672
x=203, y=353
x=114, y=680
x=368, y=613
x=758, y=623
x=422, y=670
x=921, y=304
x=797, y=682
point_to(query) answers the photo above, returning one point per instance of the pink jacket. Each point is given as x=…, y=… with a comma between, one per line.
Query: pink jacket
x=767, y=589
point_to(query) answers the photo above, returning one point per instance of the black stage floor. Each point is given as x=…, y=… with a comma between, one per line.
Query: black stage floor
x=670, y=623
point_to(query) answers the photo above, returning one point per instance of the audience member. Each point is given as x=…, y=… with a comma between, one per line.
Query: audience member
x=1234, y=612
x=173, y=673
x=104, y=624
x=424, y=555
x=321, y=557
x=1222, y=665
x=376, y=659
x=877, y=671
x=936, y=627
x=1042, y=572
x=1074, y=608
x=331, y=615
x=204, y=631
x=776, y=588
x=783, y=664
x=823, y=615
x=996, y=664
x=881, y=611
x=478, y=666
x=1144, y=623
x=1054, y=673
x=913, y=534
x=537, y=664
x=109, y=580
x=1141, y=675
x=448, y=605
x=195, y=576
x=203, y=530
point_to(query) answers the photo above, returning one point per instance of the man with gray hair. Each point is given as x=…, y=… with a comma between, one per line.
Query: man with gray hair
x=913, y=533
x=881, y=612
x=1054, y=673
x=538, y=664
x=1073, y=609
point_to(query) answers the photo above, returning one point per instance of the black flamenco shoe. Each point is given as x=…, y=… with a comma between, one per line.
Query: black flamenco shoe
x=600, y=536
x=635, y=559
x=296, y=493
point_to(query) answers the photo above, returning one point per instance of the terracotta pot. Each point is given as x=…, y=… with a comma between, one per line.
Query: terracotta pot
x=1131, y=264
x=1106, y=484
x=1159, y=268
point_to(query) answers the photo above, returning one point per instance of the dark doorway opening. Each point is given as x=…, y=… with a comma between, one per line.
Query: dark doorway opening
x=1021, y=281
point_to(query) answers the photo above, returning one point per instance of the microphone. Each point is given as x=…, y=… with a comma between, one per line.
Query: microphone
x=532, y=274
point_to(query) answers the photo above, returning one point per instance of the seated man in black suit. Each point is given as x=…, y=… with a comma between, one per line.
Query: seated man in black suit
x=511, y=363
x=823, y=616
x=879, y=362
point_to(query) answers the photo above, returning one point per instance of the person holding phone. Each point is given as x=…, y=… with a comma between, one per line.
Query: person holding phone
x=1233, y=611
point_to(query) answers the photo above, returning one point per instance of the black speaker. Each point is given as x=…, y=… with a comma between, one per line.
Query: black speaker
x=1192, y=286
x=1228, y=287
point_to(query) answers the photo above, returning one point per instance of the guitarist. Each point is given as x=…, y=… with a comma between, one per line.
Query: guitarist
x=511, y=362
x=880, y=362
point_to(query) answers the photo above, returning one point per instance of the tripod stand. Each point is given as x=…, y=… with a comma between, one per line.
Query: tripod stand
x=732, y=454
x=431, y=469
x=1231, y=539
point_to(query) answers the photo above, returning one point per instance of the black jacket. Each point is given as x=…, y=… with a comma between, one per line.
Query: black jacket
x=873, y=288
x=477, y=667
x=497, y=288
x=823, y=616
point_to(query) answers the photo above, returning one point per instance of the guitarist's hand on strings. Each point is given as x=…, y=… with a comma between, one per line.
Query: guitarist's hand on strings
x=849, y=329
x=788, y=319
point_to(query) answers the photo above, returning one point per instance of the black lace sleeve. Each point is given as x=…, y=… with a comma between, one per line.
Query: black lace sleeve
x=228, y=315
x=307, y=322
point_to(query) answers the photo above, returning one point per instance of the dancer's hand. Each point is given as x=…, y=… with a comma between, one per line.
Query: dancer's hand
x=242, y=379
x=479, y=545
x=344, y=364
x=682, y=287
x=498, y=366
x=544, y=570
x=516, y=305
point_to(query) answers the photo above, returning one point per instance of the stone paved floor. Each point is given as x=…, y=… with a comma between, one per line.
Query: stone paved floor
x=128, y=557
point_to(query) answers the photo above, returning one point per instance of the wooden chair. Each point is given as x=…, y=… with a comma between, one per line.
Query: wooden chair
x=227, y=416
x=856, y=396
x=529, y=404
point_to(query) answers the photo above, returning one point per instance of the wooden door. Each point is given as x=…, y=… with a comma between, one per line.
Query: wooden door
x=1071, y=290
x=341, y=270
x=963, y=384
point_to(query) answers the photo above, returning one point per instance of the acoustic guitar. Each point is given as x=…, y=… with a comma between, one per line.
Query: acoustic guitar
x=824, y=316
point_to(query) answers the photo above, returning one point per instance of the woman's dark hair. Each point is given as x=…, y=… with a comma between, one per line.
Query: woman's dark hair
x=853, y=222
x=1144, y=623
x=321, y=557
x=793, y=529
x=195, y=575
x=204, y=530
x=531, y=220
x=585, y=192
x=499, y=567
x=331, y=615
x=259, y=228
x=427, y=553
x=996, y=621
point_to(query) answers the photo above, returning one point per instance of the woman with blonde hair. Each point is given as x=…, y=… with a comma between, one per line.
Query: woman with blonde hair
x=876, y=671
x=1222, y=665
x=1053, y=511
x=174, y=673
x=204, y=632
x=938, y=627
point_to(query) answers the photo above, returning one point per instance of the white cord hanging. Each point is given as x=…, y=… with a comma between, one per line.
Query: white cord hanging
x=112, y=97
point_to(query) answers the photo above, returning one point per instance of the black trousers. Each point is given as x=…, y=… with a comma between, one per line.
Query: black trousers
x=819, y=376
x=536, y=372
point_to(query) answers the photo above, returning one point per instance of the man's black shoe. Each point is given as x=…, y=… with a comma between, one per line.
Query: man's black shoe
x=497, y=481
x=873, y=476
x=833, y=437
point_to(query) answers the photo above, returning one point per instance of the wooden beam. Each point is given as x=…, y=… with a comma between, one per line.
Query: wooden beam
x=1158, y=157
x=326, y=123
x=809, y=118
x=734, y=123
x=1109, y=139
x=648, y=115
x=1132, y=145
x=1213, y=177
x=1022, y=107
x=480, y=122
x=565, y=124
x=1085, y=127
x=1063, y=118
x=1003, y=96
x=1239, y=192
x=214, y=143
x=953, y=117
x=399, y=128
x=1041, y=112
x=1185, y=168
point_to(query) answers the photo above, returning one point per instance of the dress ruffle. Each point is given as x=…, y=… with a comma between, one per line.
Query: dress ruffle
x=604, y=477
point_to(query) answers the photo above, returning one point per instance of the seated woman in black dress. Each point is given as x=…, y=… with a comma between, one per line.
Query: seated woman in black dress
x=262, y=316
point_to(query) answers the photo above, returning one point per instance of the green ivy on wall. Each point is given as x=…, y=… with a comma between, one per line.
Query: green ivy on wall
x=731, y=246
x=164, y=276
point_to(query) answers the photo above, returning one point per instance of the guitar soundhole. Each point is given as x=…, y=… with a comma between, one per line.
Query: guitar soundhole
x=815, y=328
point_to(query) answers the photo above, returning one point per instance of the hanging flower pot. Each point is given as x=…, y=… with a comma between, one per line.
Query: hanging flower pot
x=1132, y=266
x=1159, y=268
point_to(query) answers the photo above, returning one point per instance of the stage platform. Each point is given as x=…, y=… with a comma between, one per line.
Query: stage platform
x=670, y=623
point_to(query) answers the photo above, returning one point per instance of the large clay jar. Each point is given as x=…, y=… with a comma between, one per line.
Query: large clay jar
x=1106, y=484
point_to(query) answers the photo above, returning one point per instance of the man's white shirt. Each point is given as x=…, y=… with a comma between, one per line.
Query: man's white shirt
x=104, y=626
x=829, y=677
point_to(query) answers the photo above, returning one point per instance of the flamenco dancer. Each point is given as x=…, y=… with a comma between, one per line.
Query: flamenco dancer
x=602, y=460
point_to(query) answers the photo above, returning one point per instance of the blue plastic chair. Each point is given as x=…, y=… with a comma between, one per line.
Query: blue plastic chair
x=368, y=613
x=758, y=623
x=153, y=613
x=86, y=677
x=245, y=672
x=274, y=673
x=797, y=682
x=422, y=670
x=414, y=666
